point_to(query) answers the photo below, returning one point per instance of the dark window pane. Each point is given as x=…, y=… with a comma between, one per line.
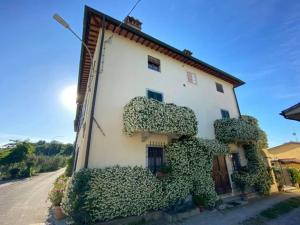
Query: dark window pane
x=236, y=161
x=219, y=87
x=153, y=63
x=155, y=159
x=155, y=95
x=225, y=114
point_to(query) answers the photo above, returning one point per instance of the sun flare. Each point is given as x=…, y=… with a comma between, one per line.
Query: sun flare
x=68, y=97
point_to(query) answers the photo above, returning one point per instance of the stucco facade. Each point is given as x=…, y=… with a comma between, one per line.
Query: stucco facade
x=123, y=75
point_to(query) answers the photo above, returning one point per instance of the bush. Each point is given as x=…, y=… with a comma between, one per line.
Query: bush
x=69, y=168
x=103, y=194
x=295, y=175
x=57, y=192
x=236, y=130
x=191, y=160
x=142, y=114
x=49, y=163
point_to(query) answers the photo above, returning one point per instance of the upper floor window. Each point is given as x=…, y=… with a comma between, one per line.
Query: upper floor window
x=225, y=114
x=153, y=63
x=219, y=87
x=155, y=95
x=192, y=78
x=155, y=159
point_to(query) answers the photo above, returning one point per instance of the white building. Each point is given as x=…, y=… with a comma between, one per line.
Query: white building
x=129, y=63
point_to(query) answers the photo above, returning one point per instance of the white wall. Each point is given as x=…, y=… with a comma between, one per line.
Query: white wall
x=126, y=75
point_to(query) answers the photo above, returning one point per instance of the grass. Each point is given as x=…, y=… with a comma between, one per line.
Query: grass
x=281, y=208
x=274, y=212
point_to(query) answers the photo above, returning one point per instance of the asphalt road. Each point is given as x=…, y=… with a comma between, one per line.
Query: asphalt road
x=24, y=202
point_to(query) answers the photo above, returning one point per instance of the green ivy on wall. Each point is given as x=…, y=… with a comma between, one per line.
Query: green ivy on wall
x=191, y=161
x=246, y=131
x=143, y=114
x=234, y=130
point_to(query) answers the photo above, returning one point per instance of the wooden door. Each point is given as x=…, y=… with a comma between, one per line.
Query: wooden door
x=220, y=175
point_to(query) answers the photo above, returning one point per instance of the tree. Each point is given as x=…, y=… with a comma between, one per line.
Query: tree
x=19, y=153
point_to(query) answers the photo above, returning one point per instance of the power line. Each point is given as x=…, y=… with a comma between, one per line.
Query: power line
x=134, y=6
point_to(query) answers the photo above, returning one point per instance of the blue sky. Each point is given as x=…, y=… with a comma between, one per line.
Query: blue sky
x=257, y=41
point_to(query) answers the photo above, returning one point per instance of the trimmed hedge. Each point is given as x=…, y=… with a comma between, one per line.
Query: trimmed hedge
x=236, y=130
x=143, y=114
x=246, y=131
x=191, y=160
x=103, y=194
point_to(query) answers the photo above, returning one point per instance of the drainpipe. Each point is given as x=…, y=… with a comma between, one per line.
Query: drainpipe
x=237, y=104
x=87, y=154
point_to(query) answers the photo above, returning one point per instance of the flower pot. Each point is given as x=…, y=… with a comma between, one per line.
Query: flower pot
x=201, y=208
x=58, y=213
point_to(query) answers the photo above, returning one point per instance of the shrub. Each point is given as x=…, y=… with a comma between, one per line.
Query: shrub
x=142, y=114
x=103, y=194
x=69, y=168
x=235, y=130
x=246, y=132
x=191, y=160
x=57, y=192
x=295, y=175
x=49, y=163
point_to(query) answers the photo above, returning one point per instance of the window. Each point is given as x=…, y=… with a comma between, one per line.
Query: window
x=219, y=87
x=155, y=95
x=235, y=159
x=153, y=63
x=155, y=159
x=225, y=114
x=192, y=78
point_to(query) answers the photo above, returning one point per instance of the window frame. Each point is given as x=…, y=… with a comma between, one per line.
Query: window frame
x=161, y=156
x=219, y=87
x=156, y=92
x=236, y=161
x=155, y=62
x=191, y=78
x=225, y=111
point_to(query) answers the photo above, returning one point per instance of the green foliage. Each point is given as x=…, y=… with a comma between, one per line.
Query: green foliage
x=103, y=194
x=16, y=154
x=246, y=131
x=69, y=168
x=191, y=165
x=142, y=114
x=49, y=163
x=234, y=130
x=53, y=148
x=295, y=175
x=57, y=192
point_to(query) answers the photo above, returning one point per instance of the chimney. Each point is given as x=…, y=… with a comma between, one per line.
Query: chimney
x=135, y=23
x=187, y=52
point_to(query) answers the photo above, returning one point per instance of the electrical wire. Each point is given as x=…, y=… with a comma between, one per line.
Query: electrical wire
x=134, y=6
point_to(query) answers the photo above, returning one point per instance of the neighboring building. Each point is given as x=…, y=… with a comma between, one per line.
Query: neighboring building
x=292, y=113
x=286, y=151
x=129, y=63
x=282, y=158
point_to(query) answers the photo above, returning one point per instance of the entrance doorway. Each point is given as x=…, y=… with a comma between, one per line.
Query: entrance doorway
x=220, y=175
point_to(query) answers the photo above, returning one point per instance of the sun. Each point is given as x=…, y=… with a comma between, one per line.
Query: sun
x=68, y=97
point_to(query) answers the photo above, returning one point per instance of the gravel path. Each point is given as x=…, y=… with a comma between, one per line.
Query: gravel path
x=25, y=202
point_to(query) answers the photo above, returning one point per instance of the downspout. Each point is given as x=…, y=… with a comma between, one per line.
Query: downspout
x=237, y=104
x=86, y=162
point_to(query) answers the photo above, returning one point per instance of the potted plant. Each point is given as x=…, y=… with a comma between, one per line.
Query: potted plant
x=200, y=202
x=56, y=194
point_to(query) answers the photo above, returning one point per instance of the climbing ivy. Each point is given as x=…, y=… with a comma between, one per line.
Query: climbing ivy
x=143, y=114
x=191, y=161
x=255, y=175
